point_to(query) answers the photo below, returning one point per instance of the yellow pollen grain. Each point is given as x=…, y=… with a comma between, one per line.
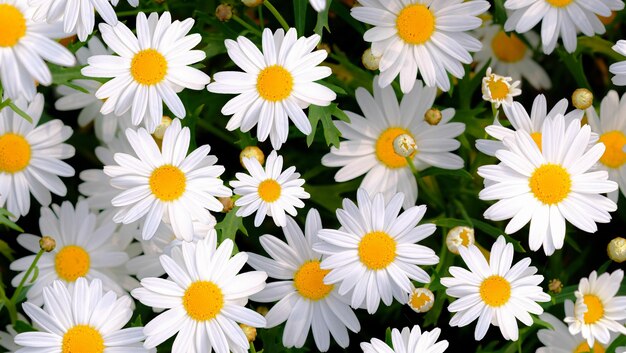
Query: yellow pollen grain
x=203, y=300
x=15, y=153
x=614, y=156
x=550, y=183
x=499, y=89
x=377, y=250
x=508, y=49
x=536, y=136
x=12, y=25
x=269, y=190
x=495, y=291
x=72, y=262
x=274, y=83
x=167, y=183
x=385, y=152
x=595, y=308
x=583, y=347
x=559, y=3
x=82, y=339
x=148, y=67
x=309, y=281
x=415, y=24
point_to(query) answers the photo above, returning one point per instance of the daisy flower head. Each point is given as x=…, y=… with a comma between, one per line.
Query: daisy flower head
x=499, y=90
x=375, y=255
x=409, y=340
x=560, y=340
x=597, y=310
x=31, y=157
x=149, y=68
x=166, y=185
x=83, y=319
x=304, y=300
x=318, y=5
x=204, y=297
x=619, y=69
x=429, y=37
x=269, y=191
x=276, y=84
x=7, y=338
x=547, y=186
x=369, y=145
x=494, y=292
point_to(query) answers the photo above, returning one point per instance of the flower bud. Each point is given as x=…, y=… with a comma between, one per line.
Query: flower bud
x=252, y=152
x=582, y=98
x=227, y=202
x=432, y=116
x=404, y=145
x=159, y=132
x=263, y=310
x=224, y=12
x=370, y=61
x=249, y=331
x=555, y=286
x=617, y=249
x=252, y=3
x=421, y=300
x=47, y=243
x=459, y=236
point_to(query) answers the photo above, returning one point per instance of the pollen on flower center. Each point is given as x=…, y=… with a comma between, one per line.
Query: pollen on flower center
x=12, y=25
x=495, y=291
x=15, y=152
x=385, y=151
x=203, y=300
x=82, y=339
x=168, y=183
x=614, y=156
x=583, y=347
x=269, y=190
x=274, y=83
x=595, y=308
x=72, y=262
x=536, y=136
x=508, y=49
x=377, y=250
x=464, y=237
x=499, y=89
x=309, y=281
x=559, y=3
x=550, y=183
x=415, y=24
x=148, y=67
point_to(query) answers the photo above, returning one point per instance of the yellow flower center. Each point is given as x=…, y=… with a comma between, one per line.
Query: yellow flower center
x=495, y=291
x=274, y=83
x=14, y=152
x=415, y=24
x=550, y=183
x=148, y=67
x=508, y=49
x=203, y=300
x=614, y=156
x=309, y=281
x=377, y=250
x=12, y=25
x=418, y=300
x=595, y=309
x=82, y=339
x=269, y=190
x=583, y=347
x=464, y=235
x=559, y=3
x=385, y=151
x=498, y=88
x=168, y=183
x=72, y=262
x=537, y=138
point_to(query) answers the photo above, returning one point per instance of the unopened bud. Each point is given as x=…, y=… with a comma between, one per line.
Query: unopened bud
x=370, y=61
x=159, y=132
x=555, y=286
x=459, y=236
x=582, y=98
x=432, y=116
x=252, y=152
x=617, y=249
x=252, y=3
x=421, y=300
x=224, y=12
x=404, y=145
x=249, y=331
x=227, y=202
x=47, y=243
x=263, y=310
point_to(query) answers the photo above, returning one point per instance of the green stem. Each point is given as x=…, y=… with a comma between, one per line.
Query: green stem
x=246, y=25
x=261, y=21
x=276, y=14
x=11, y=304
x=494, y=110
x=212, y=129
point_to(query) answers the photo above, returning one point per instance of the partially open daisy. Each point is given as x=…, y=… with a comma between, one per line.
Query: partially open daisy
x=269, y=191
x=304, y=300
x=150, y=69
x=409, y=340
x=499, y=89
x=31, y=157
x=276, y=85
x=559, y=339
x=598, y=310
x=81, y=319
x=429, y=37
x=550, y=185
x=369, y=146
x=494, y=292
x=166, y=185
x=205, y=298
x=318, y=5
x=619, y=69
x=375, y=254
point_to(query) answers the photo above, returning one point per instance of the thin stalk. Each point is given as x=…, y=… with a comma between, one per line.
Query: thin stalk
x=276, y=14
x=246, y=25
x=11, y=304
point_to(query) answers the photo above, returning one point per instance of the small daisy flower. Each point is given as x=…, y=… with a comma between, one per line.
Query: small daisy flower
x=31, y=157
x=375, y=254
x=81, y=319
x=597, y=311
x=369, y=146
x=205, y=298
x=494, y=292
x=318, y=5
x=413, y=340
x=166, y=185
x=421, y=300
x=7, y=339
x=269, y=191
x=560, y=18
x=619, y=69
x=559, y=339
x=304, y=300
x=277, y=84
x=459, y=236
x=550, y=185
x=150, y=69
x=499, y=90
x=439, y=45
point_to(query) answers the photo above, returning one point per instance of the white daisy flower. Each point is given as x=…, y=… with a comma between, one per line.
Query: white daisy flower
x=619, y=69
x=166, y=185
x=369, y=148
x=7, y=339
x=318, y=5
x=430, y=37
x=560, y=340
x=304, y=300
x=375, y=255
x=81, y=319
x=597, y=311
x=31, y=157
x=499, y=89
x=150, y=69
x=277, y=84
x=24, y=45
x=413, y=340
x=269, y=191
x=550, y=185
x=494, y=292
x=559, y=18
x=205, y=298
x=83, y=249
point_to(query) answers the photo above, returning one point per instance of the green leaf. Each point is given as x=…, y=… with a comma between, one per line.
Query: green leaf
x=4, y=219
x=333, y=88
x=496, y=232
x=574, y=64
x=450, y=222
x=599, y=45
x=6, y=250
x=299, y=13
x=215, y=44
x=449, y=172
x=500, y=12
x=329, y=196
x=229, y=226
x=62, y=75
x=22, y=326
x=137, y=322
x=322, y=21
x=388, y=337
x=325, y=114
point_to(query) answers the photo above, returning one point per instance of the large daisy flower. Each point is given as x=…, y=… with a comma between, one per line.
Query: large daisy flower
x=304, y=300
x=409, y=340
x=150, y=69
x=429, y=37
x=31, y=157
x=277, y=84
x=560, y=340
x=375, y=254
x=369, y=148
x=550, y=185
x=205, y=298
x=494, y=292
x=619, y=69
